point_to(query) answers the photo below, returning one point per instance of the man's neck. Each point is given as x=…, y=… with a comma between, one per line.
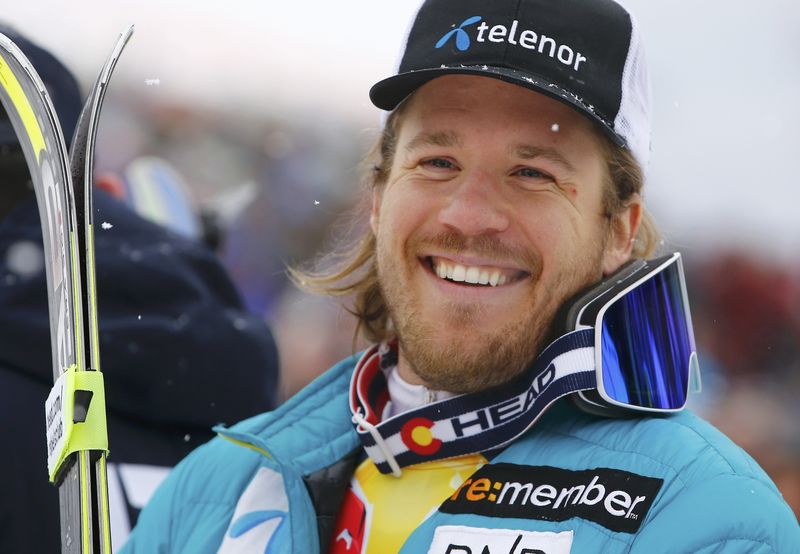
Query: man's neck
x=405, y=395
x=406, y=372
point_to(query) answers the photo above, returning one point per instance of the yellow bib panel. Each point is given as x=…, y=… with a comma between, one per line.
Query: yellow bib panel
x=380, y=511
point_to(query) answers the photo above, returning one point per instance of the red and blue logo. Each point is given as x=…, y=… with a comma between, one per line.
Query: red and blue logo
x=417, y=436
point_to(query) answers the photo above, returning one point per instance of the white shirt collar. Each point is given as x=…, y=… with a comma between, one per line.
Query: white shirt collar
x=403, y=396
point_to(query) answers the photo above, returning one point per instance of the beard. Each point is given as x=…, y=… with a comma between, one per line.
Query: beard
x=471, y=356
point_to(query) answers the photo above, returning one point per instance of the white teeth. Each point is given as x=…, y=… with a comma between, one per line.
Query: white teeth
x=469, y=274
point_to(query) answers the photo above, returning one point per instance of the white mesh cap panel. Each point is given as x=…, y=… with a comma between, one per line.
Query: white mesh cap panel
x=633, y=119
x=384, y=114
x=409, y=26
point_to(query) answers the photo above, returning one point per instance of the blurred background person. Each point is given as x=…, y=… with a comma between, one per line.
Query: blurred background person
x=179, y=350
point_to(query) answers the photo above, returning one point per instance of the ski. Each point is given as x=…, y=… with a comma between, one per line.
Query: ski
x=77, y=439
x=82, y=172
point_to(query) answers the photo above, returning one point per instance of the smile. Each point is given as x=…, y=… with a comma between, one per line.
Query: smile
x=484, y=275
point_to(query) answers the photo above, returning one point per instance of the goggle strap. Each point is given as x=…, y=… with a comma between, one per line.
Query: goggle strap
x=470, y=423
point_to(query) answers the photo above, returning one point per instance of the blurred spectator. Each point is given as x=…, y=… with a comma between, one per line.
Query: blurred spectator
x=755, y=304
x=179, y=350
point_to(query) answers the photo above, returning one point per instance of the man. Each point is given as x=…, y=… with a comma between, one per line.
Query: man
x=507, y=179
x=169, y=318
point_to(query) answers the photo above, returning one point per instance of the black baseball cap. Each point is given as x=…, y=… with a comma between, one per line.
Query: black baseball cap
x=586, y=53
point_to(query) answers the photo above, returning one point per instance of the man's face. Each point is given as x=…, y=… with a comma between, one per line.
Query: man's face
x=491, y=217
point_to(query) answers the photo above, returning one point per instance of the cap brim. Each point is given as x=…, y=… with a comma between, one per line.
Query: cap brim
x=390, y=93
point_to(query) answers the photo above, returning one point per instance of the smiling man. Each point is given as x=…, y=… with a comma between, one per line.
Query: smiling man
x=488, y=221
x=526, y=388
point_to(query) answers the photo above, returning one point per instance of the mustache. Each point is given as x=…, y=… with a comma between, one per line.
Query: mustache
x=488, y=246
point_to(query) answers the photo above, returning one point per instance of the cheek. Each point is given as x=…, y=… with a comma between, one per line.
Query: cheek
x=559, y=232
x=400, y=215
x=549, y=222
x=405, y=202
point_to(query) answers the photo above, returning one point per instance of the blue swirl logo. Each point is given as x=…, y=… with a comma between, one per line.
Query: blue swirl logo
x=254, y=519
x=462, y=38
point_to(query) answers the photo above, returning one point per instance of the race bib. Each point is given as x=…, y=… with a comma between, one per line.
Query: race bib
x=460, y=539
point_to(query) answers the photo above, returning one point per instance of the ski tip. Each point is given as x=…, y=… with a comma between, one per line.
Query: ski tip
x=126, y=34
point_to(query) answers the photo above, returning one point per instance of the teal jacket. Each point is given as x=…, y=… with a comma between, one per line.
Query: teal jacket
x=574, y=483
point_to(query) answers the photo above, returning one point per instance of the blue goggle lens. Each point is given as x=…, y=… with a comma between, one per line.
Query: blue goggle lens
x=647, y=344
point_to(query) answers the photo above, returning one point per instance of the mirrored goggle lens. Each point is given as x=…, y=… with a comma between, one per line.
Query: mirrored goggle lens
x=647, y=344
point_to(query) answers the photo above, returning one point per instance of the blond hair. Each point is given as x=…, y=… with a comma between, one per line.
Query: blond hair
x=353, y=267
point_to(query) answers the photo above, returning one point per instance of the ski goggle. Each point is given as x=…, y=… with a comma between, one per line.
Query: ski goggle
x=627, y=347
x=645, y=354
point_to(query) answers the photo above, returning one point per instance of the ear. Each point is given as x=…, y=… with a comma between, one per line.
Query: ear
x=621, y=235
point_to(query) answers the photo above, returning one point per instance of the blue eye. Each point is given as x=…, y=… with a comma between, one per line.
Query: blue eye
x=532, y=173
x=439, y=163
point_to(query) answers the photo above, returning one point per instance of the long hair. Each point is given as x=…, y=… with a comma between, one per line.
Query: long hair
x=351, y=270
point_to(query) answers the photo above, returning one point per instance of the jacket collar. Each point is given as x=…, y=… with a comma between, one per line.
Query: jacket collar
x=310, y=431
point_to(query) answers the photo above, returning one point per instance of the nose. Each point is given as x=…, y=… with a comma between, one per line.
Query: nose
x=474, y=207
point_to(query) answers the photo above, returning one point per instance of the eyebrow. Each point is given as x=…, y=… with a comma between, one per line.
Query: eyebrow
x=529, y=152
x=436, y=138
x=524, y=151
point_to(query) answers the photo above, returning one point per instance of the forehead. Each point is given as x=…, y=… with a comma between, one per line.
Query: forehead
x=486, y=96
x=499, y=110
